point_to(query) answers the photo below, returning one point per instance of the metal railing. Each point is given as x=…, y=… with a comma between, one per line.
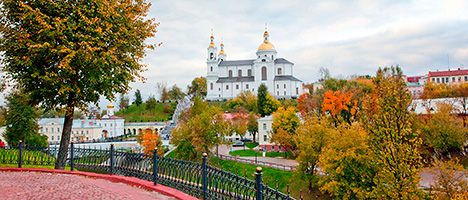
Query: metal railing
x=198, y=179
x=257, y=162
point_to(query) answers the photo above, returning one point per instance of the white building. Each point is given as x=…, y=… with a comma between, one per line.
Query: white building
x=82, y=130
x=112, y=126
x=227, y=78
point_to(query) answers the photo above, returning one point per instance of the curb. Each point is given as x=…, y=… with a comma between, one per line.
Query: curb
x=148, y=185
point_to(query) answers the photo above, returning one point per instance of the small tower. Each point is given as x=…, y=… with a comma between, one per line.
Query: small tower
x=211, y=50
x=266, y=50
x=212, y=70
x=110, y=109
x=222, y=55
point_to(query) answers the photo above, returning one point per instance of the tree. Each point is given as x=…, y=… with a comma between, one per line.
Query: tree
x=123, y=102
x=346, y=160
x=443, y=131
x=150, y=103
x=138, y=100
x=239, y=123
x=198, y=87
x=150, y=140
x=450, y=180
x=340, y=106
x=262, y=95
x=70, y=53
x=285, y=123
x=310, y=138
x=163, y=93
x=252, y=125
x=324, y=74
x=176, y=93
x=394, y=144
x=21, y=120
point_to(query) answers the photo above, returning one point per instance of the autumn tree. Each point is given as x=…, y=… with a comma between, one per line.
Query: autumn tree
x=197, y=87
x=138, y=100
x=450, y=179
x=163, y=92
x=150, y=141
x=21, y=120
x=150, y=104
x=347, y=161
x=252, y=125
x=176, y=93
x=461, y=91
x=124, y=101
x=310, y=138
x=444, y=131
x=239, y=123
x=340, y=106
x=394, y=144
x=70, y=53
x=285, y=123
x=245, y=99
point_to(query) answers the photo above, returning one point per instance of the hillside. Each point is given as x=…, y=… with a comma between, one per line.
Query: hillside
x=161, y=112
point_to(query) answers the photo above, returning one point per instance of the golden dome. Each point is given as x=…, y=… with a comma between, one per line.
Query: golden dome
x=222, y=52
x=110, y=105
x=266, y=45
x=212, y=45
x=266, y=33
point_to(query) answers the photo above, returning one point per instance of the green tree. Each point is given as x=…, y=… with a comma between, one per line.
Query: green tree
x=443, y=131
x=68, y=54
x=163, y=93
x=21, y=120
x=138, y=100
x=252, y=125
x=176, y=93
x=270, y=105
x=395, y=145
x=310, y=138
x=262, y=95
x=198, y=87
x=150, y=103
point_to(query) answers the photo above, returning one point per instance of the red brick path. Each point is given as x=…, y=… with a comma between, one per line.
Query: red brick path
x=29, y=183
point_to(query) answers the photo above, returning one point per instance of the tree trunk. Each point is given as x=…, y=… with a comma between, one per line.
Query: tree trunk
x=67, y=126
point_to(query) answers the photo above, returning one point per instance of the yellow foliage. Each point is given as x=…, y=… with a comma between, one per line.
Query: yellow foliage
x=150, y=140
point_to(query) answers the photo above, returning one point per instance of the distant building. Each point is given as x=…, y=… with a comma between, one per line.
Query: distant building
x=83, y=130
x=112, y=126
x=228, y=78
x=415, y=89
x=449, y=77
x=134, y=128
x=264, y=136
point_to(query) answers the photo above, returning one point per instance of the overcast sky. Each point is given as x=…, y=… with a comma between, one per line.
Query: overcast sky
x=347, y=37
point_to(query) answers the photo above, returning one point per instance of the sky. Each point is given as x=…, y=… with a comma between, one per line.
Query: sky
x=347, y=37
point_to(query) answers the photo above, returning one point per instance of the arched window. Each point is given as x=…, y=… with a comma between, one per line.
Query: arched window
x=272, y=57
x=211, y=68
x=264, y=73
x=239, y=73
x=249, y=72
x=211, y=86
x=280, y=71
x=230, y=73
x=211, y=55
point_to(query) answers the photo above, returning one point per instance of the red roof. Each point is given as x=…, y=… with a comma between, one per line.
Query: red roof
x=459, y=72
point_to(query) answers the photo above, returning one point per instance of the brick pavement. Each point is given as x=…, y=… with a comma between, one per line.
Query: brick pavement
x=40, y=185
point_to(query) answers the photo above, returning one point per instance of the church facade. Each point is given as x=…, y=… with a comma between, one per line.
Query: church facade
x=228, y=78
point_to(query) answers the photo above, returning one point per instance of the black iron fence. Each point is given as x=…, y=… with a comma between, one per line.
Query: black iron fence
x=198, y=179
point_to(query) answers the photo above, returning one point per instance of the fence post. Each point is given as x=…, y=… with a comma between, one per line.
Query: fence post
x=204, y=178
x=112, y=158
x=155, y=166
x=20, y=156
x=258, y=183
x=72, y=157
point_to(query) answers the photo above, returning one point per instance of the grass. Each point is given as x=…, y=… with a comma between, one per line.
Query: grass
x=251, y=153
x=139, y=113
x=251, y=145
x=32, y=166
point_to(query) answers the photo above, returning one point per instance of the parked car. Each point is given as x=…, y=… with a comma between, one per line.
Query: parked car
x=246, y=140
x=238, y=144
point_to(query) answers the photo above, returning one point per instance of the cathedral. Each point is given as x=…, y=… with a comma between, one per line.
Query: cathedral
x=228, y=78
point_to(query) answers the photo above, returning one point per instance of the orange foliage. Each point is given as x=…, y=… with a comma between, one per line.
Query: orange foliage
x=336, y=101
x=149, y=141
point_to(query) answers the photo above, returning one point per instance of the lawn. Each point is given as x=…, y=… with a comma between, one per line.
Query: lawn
x=251, y=153
x=139, y=113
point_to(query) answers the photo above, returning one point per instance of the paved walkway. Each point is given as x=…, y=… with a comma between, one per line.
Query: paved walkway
x=35, y=183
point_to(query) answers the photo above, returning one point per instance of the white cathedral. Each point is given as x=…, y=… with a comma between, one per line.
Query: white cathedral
x=228, y=78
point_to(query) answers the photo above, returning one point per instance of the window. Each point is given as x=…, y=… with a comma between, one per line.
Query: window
x=81, y=132
x=249, y=72
x=279, y=71
x=277, y=93
x=284, y=86
x=443, y=80
x=264, y=73
x=219, y=89
x=263, y=60
x=459, y=79
x=111, y=125
x=264, y=126
x=46, y=130
x=453, y=79
x=285, y=93
x=51, y=130
x=466, y=78
x=264, y=139
x=211, y=86
x=237, y=87
x=279, y=148
x=58, y=130
x=272, y=148
x=272, y=57
x=438, y=80
x=58, y=137
x=239, y=73
x=297, y=90
x=247, y=86
x=52, y=137
x=227, y=87
x=433, y=79
x=277, y=86
x=211, y=55
x=87, y=132
x=211, y=68
x=446, y=79
x=230, y=73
